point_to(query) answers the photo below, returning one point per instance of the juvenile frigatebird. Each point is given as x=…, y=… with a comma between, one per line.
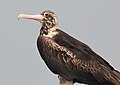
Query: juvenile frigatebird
x=70, y=58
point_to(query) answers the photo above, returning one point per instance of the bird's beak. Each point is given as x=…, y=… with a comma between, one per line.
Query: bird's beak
x=37, y=17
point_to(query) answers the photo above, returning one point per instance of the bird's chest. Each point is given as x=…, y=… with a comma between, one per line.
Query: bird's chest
x=54, y=55
x=49, y=47
x=49, y=52
x=45, y=45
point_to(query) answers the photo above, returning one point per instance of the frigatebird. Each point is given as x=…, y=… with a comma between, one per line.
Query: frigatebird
x=70, y=58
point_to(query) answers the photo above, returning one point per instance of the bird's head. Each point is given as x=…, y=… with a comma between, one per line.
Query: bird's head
x=48, y=19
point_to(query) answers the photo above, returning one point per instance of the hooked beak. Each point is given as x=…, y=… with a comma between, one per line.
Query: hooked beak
x=37, y=17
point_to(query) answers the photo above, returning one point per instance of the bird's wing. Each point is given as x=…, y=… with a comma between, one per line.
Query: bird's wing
x=84, y=57
x=83, y=51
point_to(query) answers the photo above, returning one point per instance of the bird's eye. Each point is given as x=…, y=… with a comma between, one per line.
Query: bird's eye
x=45, y=14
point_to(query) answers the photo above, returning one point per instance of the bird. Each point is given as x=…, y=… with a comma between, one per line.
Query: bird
x=72, y=60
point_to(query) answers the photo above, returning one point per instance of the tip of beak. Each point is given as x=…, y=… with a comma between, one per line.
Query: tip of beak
x=20, y=16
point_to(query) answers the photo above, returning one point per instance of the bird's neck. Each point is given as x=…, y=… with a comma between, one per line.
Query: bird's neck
x=49, y=32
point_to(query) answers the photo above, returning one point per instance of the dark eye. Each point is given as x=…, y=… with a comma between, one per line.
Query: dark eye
x=45, y=14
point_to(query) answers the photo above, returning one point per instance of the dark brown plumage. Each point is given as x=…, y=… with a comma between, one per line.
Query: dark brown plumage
x=70, y=58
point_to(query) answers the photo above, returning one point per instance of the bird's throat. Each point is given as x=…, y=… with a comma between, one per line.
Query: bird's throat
x=50, y=32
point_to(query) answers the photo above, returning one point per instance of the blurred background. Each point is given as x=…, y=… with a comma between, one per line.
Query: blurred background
x=94, y=22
